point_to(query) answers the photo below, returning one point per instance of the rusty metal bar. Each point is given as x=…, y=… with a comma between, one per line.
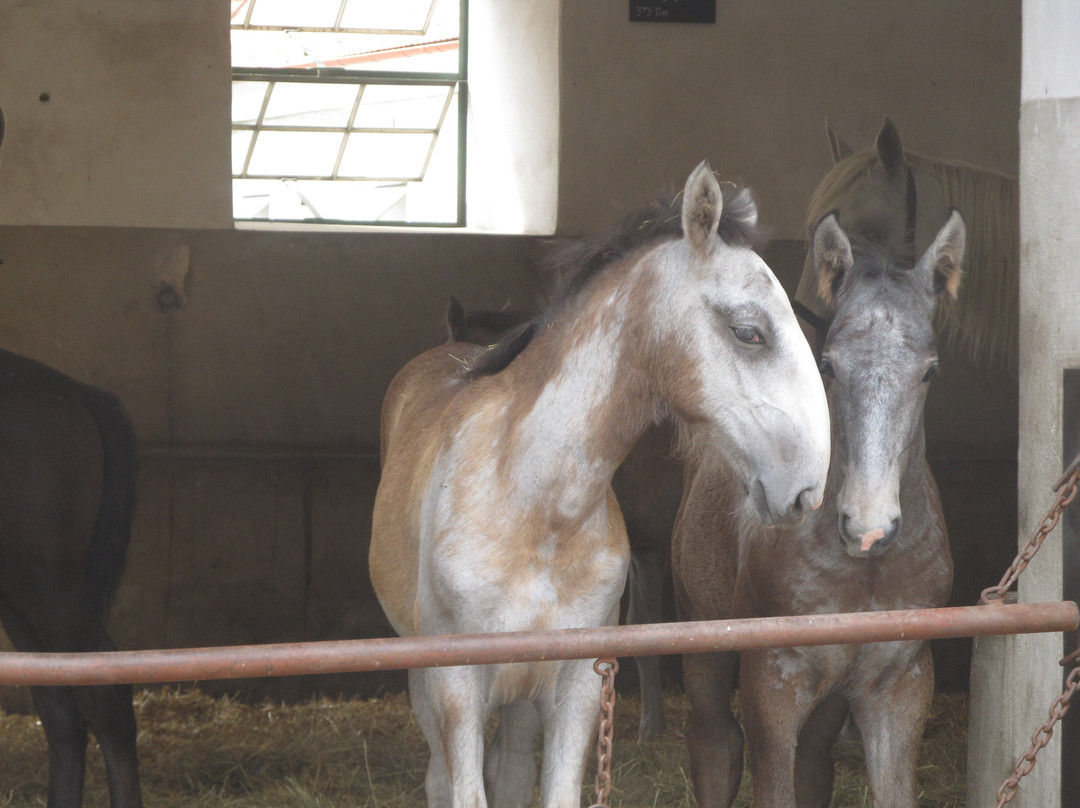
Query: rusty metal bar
x=291, y=659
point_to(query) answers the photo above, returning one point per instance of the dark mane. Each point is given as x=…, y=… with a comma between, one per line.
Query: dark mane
x=573, y=263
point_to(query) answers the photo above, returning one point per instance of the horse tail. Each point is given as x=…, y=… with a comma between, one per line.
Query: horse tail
x=112, y=527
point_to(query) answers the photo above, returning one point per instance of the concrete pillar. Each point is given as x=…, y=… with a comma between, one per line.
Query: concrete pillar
x=1015, y=679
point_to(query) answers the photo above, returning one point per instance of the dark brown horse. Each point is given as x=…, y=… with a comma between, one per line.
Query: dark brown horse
x=877, y=543
x=67, y=472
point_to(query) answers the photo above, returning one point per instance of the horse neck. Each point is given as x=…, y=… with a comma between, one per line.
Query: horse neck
x=579, y=396
x=984, y=322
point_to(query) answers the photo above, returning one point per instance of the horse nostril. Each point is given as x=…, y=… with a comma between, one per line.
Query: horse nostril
x=804, y=502
x=845, y=525
x=894, y=530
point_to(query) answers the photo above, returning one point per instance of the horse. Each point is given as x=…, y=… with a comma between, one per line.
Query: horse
x=495, y=511
x=887, y=194
x=68, y=474
x=648, y=487
x=878, y=542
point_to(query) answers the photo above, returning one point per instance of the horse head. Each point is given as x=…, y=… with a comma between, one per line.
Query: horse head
x=742, y=373
x=873, y=191
x=878, y=358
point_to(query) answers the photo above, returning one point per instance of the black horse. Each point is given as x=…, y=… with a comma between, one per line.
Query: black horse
x=68, y=469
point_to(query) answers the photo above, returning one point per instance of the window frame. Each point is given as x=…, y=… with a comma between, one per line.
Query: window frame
x=455, y=82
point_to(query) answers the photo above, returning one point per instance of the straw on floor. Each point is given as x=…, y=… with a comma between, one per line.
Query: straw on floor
x=203, y=752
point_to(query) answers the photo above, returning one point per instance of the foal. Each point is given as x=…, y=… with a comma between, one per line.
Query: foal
x=495, y=510
x=878, y=543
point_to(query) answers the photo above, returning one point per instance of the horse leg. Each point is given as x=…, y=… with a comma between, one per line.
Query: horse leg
x=64, y=619
x=774, y=708
x=645, y=587
x=570, y=710
x=65, y=734
x=814, y=768
x=65, y=731
x=892, y=716
x=714, y=739
x=446, y=705
x=510, y=765
x=109, y=712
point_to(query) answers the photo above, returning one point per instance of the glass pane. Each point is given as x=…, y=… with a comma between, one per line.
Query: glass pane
x=241, y=140
x=306, y=104
x=303, y=49
x=384, y=106
x=295, y=13
x=400, y=15
x=247, y=99
x=294, y=154
x=343, y=201
x=273, y=199
x=386, y=156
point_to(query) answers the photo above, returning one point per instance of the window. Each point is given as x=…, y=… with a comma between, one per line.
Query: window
x=349, y=111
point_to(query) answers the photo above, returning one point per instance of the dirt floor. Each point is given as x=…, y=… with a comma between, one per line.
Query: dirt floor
x=203, y=752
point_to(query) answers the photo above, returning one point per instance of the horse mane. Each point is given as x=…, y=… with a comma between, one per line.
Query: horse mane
x=573, y=263
x=984, y=321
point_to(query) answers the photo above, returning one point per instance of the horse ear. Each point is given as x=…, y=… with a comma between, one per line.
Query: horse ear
x=837, y=145
x=889, y=148
x=832, y=257
x=701, y=207
x=942, y=264
x=455, y=320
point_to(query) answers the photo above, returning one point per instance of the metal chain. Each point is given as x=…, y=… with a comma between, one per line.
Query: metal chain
x=1066, y=488
x=1042, y=735
x=607, y=668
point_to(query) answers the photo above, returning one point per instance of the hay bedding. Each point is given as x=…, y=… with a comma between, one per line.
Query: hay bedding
x=203, y=752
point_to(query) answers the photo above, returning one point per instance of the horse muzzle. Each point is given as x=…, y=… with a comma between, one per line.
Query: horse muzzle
x=867, y=542
x=778, y=509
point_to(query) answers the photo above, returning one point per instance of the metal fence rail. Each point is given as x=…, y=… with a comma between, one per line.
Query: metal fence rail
x=290, y=659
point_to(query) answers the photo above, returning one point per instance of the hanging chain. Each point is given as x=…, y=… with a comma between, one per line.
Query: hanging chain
x=607, y=668
x=1066, y=488
x=1043, y=734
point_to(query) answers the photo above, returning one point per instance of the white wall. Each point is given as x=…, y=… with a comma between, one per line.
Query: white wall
x=513, y=155
x=135, y=131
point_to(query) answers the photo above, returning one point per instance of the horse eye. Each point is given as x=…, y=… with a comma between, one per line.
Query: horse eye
x=747, y=334
x=931, y=371
x=826, y=368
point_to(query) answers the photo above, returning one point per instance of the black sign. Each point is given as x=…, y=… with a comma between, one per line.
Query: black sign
x=673, y=11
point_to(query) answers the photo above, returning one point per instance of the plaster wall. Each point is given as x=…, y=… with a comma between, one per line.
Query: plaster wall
x=117, y=113
x=642, y=102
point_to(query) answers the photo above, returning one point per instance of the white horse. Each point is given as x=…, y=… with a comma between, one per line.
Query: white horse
x=495, y=510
